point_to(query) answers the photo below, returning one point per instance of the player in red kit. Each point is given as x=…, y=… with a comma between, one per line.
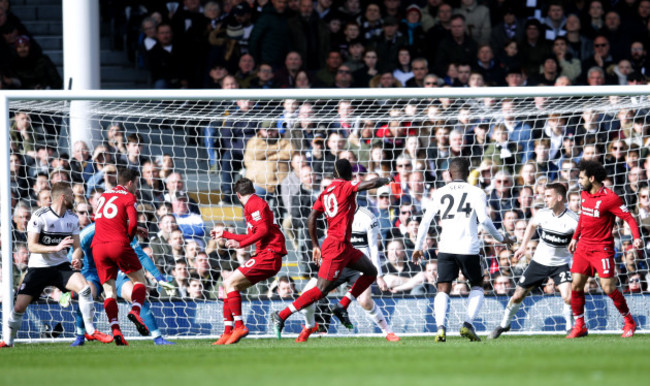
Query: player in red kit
x=593, y=246
x=116, y=224
x=267, y=261
x=338, y=203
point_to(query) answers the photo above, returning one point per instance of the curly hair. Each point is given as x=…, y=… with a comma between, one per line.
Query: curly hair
x=593, y=169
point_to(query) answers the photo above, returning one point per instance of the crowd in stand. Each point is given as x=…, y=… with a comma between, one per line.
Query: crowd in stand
x=290, y=155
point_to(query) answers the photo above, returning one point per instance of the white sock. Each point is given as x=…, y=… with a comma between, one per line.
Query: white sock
x=309, y=313
x=87, y=307
x=568, y=316
x=15, y=320
x=155, y=334
x=474, y=304
x=440, y=305
x=377, y=316
x=511, y=310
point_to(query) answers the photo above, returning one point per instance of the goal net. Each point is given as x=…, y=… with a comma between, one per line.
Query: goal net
x=190, y=148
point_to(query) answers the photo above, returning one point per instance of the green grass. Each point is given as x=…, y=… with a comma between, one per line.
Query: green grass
x=510, y=360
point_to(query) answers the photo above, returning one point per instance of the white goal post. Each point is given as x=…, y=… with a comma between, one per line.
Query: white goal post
x=177, y=123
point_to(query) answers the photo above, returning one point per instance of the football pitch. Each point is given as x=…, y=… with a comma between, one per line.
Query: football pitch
x=510, y=360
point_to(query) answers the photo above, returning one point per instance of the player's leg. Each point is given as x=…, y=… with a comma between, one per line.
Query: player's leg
x=138, y=298
x=609, y=287
x=362, y=264
x=511, y=310
x=578, y=302
x=80, y=285
x=471, y=267
x=235, y=283
x=322, y=287
x=565, y=292
x=309, y=314
x=228, y=322
x=373, y=311
x=125, y=288
x=16, y=318
x=111, y=309
x=81, y=335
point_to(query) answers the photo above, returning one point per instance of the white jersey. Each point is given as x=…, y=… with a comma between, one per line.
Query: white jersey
x=555, y=233
x=51, y=230
x=462, y=208
x=365, y=235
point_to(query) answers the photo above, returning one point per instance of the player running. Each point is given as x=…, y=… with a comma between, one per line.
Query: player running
x=551, y=259
x=365, y=237
x=338, y=202
x=51, y=231
x=116, y=224
x=123, y=285
x=267, y=261
x=462, y=207
x=593, y=246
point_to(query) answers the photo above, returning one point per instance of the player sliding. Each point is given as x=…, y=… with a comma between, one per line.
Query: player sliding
x=463, y=207
x=365, y=237
x=338, y=202
x=593, y=245
x=267, y=261
x=116, y=224
x=123, y=285
x=552, y=258
x=51, y=231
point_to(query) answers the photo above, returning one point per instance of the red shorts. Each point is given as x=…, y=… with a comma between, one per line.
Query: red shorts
x=336, y=256
x=110, y=257
x=591, y=259
x=261, y=266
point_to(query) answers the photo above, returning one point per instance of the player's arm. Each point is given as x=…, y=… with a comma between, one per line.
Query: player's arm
x=313, y=233
x=77, y=253
x=373, y=245
x=132, y=215
x=423, y=229
x=576, y=236
x=35, y=247
x=619, y=209
x=486, y=221
x=261, y=228
x=230, y=236
x=372, y=184
x=528, y=234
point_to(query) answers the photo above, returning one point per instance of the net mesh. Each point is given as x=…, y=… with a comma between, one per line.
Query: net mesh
x=199, y=148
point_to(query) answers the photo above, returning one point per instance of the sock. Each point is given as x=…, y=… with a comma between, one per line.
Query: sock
x=234, y=303
x=309, y=313
x=15, y=320
x=227, y=317
x=578, y=306
x=377, y=316
x=511, y=311
x=87, y=308
x=568, y=316
x=620, y=303
x=149, y=320
x=110, y=307
x=440, y=304
x=307, y=298
x=79, y=327
x=474, y=304
x=138, y=296
x=357, y=289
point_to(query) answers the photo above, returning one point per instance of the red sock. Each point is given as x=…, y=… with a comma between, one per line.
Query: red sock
x=303, y=301
x=138, y=296
x=234, y=304
x=227, y=317
x=578, y=304
x=110, y=307
x=357, y=289
x=620, y=303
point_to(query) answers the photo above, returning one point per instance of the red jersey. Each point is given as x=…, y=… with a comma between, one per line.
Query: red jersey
x=116, y=218
x=339, y=202
x=262, y=229
x=598, y=215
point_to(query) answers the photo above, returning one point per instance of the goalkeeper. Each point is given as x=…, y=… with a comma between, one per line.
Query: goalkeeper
x=123, y=284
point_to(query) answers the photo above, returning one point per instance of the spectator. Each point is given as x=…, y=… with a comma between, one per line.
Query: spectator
x=413, y=31
x=195, y=289
x=265, y=77
x=326, y=76
x=429, y=279
x=116, y=141
x=267, y=159
x=166, y=61
x=388, y=43
x=146, y=41
x=534, y=47
x=21, y=216
x=502, y=151
x=369, y=70
x=477, y=18
x=555, y=21
x=181, y=275
x=285, y=77
x=245, y=71
x=601, y=59
x=594, y=21
x=34, y=69
x=398, y=270
x=44, y=198
x=82, y=166
x=160, y=242
x=175, y=182
x=569, y=65
x=323, y=162
x=20, y=259
x=343, y=78
x=355, y=56
x=151, y=187
x=502, y=199
x=503, y=285
x=370, y=23
x=509, y=29
x=282, y=288
x=191, y=224
x=268, y=41
x=457, y=48
x=83, y=211
x=639, y=58
x=440, y=30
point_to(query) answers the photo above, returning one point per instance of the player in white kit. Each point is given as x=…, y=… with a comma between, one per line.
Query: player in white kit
x=552, y=258
x=365, y=237
x=462, y=208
